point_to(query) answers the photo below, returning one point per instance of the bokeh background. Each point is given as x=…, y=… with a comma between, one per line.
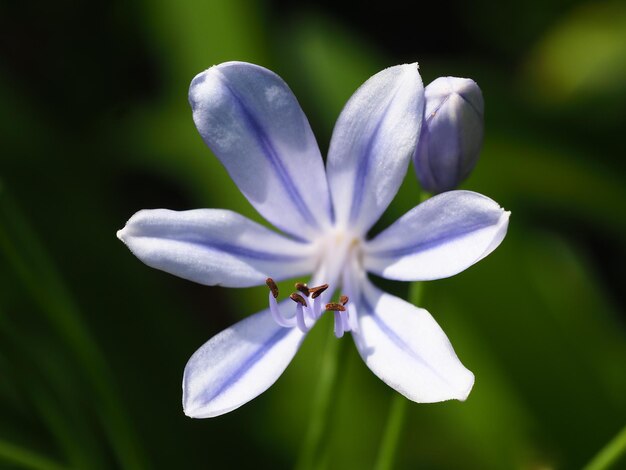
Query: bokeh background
x=95, y=125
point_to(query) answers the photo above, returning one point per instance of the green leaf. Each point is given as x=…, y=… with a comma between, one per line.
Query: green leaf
x=23, y=254
x=583, y=55
x=25, y=458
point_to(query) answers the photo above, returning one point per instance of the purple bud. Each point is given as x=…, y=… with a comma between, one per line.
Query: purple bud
x=452, y=133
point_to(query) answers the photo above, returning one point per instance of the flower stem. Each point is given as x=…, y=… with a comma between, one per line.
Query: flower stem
x=397, y=409
x=610, y=453
x=321, y=405
x=391, y=437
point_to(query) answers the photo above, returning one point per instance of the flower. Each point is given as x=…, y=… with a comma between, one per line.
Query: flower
x=452, y=133
x=253, y=123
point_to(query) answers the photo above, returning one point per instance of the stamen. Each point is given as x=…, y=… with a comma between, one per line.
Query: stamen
x=310, y=309
x=273, y=287
x=297, y=298
x=300, y=318
x=277, y=316
x=317, y=307
x=339, y=329
x=342, y=322
x=300, y=286
x=317, y=291
x=345, y=319
x=335, y=307
x=352, y=316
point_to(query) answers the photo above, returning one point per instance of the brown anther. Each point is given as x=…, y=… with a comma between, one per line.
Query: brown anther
x=297, y=298
x=334, y=307
x=302, y=288
x=317, y=291
x=344, y=299
x=272, y=285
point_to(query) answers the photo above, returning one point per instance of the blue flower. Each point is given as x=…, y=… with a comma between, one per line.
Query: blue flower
x=253, y=123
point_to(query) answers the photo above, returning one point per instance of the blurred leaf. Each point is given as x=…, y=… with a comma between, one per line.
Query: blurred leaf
x=611, y=454
x=25, y=458
x=52, y=395
x=191, y=35
x=25, y=256
x=527, y=173
x=325, y=63
x=583, y=55
x=547, y=334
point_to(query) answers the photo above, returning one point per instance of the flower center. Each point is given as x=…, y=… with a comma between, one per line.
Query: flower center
x=336, y=250
x=309, y=302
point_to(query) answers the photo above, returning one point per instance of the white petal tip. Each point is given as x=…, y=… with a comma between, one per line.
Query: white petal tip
x=194, y=409
x=460, y=393
x=195, y=413
x=463, y=394
x=203, y=411
x=406, y=348
x=120, y=234
x=190, y=413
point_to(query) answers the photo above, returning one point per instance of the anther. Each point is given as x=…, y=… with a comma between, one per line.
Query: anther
x=334, y=307
x=297, y=298
x=317, y=291
x=273, y=287
x=344, y=299
x=300, y=286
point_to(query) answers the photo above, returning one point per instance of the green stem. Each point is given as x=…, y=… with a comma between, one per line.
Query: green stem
x=320, y=409
x=610, y=453
x=391, y=436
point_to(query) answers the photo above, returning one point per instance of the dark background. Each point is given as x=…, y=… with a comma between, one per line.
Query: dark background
x=95, y=125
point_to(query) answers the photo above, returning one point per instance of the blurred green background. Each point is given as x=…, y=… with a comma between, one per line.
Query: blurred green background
x=95, y=125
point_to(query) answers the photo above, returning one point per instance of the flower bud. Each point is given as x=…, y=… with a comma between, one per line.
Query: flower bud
x=452, y=133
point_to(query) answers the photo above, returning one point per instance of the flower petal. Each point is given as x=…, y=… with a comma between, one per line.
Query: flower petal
x=408, y=350
x=237, y=365
x=441, y=237
x=372, y=145
x=253, y=123
x=214, y=246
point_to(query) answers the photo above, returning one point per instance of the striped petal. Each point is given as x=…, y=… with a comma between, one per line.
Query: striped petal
x=408, y=350
x=372, y=145
x=214, y=247
x=237, y=365
x=439, y=238
x=253, y=123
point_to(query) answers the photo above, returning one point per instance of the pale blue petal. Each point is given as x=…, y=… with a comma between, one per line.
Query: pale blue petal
x=441, y=237
x=237, y=365
x=253, y=123
x=372, y=145
x=214, y=247
x=408, y=350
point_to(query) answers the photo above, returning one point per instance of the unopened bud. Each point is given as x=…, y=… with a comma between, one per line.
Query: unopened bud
x=452, y=133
